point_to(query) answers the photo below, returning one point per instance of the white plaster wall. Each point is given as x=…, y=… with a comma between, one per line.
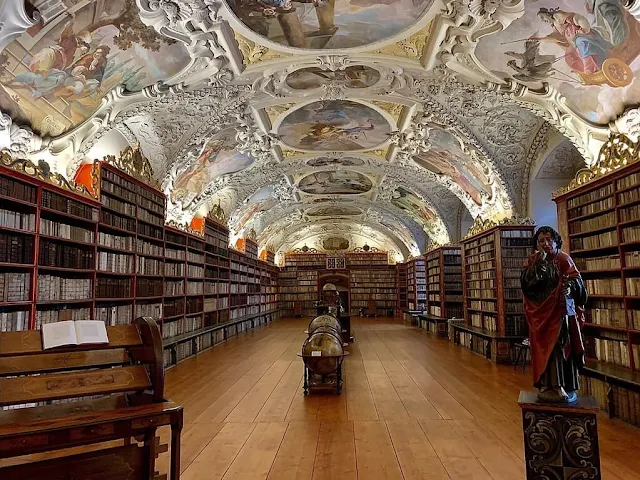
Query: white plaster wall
x=541, y=207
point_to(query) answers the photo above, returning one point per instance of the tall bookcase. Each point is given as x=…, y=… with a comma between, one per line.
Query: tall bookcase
x=401, y=284
x=494, y=313
x=600, y=226
x=65, y=255
x=417, y=284
x=444, y=282
x=372, y=283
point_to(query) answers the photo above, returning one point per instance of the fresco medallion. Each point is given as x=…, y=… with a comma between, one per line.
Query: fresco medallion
x=334, y=125
x=354, y=76
x=335, y=183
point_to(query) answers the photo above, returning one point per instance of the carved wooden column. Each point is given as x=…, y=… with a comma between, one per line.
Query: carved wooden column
x=560, y=441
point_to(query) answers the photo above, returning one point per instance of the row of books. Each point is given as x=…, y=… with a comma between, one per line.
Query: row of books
x=173, y=307
x=18, y=220
x=153, y=310
x=195, y=271
x=62, y=230
x=626, y=403
x=114, y=262
x=14, y=321
x=152, y=231
x=633, y=286
x=142, y=193
x=15, y=286
x=54, y=288
x=631, y=234
x=119, y=206
x=604, y=286
x=150, y=217
x=213, y=303
x=148, y=248
x=591, y=208
x=211, y=288
x=117, y=190
x=515, y=234
x=17, y=190
x=111, y=287
x=195, y=288
x=120, y=242
x=609, y=351
x=629, y=197
x=593, y=223
x=606, y=262
x=174, y=254
x=605, y=239
x=16, y=248
x=195, y=257
x=64, y=255
x=150, y=266
x=606, y=312
x=591, y=196
x=118, y=221
x=174, y=269
x=482, y=305
x=114, y=314
x=61, y=315
x=194, y=305
x=629, y=214
x=173, y=287
x=65, y=204
x=181, y=326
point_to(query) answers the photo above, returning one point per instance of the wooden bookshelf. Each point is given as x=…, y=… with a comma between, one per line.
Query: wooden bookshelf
x=417, y=284
x=372, y=289
x=308, y=260
x=401, y=285
x=444, y=282
x=69, y=256
x=491, y=265
x=600, y=226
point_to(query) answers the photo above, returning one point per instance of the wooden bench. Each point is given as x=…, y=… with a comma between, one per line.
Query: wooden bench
x=433, y=324
x=494, y=346
x=47, y=391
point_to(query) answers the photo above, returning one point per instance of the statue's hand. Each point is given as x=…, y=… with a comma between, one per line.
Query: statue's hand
x=566, y=289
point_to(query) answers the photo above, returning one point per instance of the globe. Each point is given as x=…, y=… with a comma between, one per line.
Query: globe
x=323, y=321
x=330, y=352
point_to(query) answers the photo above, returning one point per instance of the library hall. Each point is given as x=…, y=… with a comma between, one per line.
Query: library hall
x=259, y=240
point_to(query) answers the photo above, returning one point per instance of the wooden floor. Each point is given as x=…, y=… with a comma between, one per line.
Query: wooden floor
x=413, y=407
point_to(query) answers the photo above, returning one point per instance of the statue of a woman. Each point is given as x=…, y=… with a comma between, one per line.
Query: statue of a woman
x=554, y=299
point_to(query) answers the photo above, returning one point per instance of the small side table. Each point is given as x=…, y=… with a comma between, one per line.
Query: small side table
x=521, y=350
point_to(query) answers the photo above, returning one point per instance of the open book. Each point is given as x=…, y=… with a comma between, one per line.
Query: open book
x=73, y=333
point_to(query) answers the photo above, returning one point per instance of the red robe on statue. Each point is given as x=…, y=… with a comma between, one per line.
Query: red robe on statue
x=544, y=318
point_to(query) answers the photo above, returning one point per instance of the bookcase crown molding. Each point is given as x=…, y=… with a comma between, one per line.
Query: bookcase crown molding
x=616, y=153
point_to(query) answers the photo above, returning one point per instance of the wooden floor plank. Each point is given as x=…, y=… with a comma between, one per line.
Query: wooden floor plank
x=413, y=407
x=256, y=456
x=375, y=456
x=296, y=456
x=335, y=456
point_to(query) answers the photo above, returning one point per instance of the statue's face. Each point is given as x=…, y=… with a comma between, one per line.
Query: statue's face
x=547, y=244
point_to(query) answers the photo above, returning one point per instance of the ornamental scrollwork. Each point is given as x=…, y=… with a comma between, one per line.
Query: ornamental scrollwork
x=133, y=162
x=616, y=153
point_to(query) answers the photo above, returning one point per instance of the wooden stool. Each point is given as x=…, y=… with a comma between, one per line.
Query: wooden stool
x=523, y=349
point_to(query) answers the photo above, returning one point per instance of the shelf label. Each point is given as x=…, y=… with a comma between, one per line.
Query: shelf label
x=316, y=353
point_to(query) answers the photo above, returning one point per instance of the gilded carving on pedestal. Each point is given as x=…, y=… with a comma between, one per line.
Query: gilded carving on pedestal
x=133, y=162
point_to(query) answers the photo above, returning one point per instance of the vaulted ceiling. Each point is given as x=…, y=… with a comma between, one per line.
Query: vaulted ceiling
x=324, y=122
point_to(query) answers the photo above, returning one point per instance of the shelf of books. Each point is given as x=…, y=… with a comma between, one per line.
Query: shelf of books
x=68, y=256
x=417, y=284
x=401, y=284
x=444, y=289
x=306, y=260
x=493, y=308
x=600, y=226
x=372, y=284
x=298, y=292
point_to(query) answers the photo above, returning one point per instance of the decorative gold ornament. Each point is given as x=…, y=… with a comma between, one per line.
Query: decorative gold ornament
x=411, y=47
x=380, y=152
x=288, y=153
x=393, y=109
x=432, y=247
x=254, y=52
x=133, y=162
x=252, y=235
x=619, y=151
x=274, y=111
x=42, y=171
x=480, y=225
x=185, y=228
x=217, y=214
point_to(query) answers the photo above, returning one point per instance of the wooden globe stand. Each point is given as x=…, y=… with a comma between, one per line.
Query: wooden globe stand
x=317, y=381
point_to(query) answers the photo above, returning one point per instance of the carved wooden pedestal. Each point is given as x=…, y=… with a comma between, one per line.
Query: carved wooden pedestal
x=560, y=441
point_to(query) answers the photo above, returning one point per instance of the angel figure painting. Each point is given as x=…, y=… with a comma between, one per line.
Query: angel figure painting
x=218, y=157
x=55, y=76
x=416, y=208
x=447, y=158
x=587, y=49
x=334, y=125
x=260, y=201
x=335, y=183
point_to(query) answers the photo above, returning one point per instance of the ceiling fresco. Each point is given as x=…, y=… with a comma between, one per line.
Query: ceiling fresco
x=54, y=76
x=334, y=125
x=355, y=76
x=339, y=182
x=589, y=50
x=328, y=24
x=377, y=121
